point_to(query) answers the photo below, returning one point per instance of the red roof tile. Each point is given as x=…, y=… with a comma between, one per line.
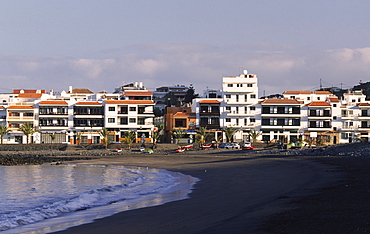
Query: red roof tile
x=29, y=95
x=53, y=103
x=86, y=91
x=20, y=107
x=88, y=103
x=280, y=101
x=319, y=103
x=209, y=101
x=323, y=92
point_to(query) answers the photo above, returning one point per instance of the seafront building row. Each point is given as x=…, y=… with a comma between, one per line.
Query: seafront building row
x=77, y=115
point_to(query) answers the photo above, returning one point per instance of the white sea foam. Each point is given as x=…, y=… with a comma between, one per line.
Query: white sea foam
x=140, y=188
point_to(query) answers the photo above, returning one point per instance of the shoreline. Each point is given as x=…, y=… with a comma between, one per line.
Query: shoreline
x=236, y=193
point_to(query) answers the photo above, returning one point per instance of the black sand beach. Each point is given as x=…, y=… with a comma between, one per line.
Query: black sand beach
x=250, y=194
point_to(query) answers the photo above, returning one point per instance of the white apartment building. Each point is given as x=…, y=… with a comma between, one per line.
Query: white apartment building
x=129, y=115
x=240, y=104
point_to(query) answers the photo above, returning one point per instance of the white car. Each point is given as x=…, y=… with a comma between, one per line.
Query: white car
x=233, y=146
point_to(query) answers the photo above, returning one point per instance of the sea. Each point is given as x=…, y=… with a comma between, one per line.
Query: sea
x=52, y=197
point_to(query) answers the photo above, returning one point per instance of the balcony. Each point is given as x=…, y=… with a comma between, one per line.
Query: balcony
x=210, y=126
x=206, y=113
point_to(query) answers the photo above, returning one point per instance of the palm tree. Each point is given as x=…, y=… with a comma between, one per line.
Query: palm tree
x=129, y=138
x=229, y=133
x=202, y=134
x=104, y=133
x=157, y=134
x=28, y=129
x=254, y=135
x=3, y=131
x=178, y=134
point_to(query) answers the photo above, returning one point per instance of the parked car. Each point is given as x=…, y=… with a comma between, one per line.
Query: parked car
x=224, y=145
x=229, y=146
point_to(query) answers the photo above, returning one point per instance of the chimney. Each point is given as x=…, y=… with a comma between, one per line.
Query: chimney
x=70, y=89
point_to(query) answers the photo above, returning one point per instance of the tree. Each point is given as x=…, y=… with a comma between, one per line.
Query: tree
x=178, y=134
x=28, y=129
x=254, y=135
x=157, y=134
x=128, y=138
x=202, y=134
x=104, y=133
x=190, y=95
x=229, y=133
x=3, y=131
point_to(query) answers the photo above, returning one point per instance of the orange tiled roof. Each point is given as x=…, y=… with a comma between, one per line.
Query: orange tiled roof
x=1, y=107
x=178, y=114
x=322, y=92
x=87, y=91
x=88, y=103
x=363, y=104
x=129, y=102
x=29, y=95
x=53, y=103
x=334, y=99
x=209, y=101
x=319, y=103
x=18, y=91
x=20, y=107
x=138, y=93
x=280, y=101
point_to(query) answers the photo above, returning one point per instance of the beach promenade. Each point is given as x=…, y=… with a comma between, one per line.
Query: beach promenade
x=235, y=194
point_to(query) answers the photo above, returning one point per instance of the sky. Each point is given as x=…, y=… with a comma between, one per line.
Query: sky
x=100, y=45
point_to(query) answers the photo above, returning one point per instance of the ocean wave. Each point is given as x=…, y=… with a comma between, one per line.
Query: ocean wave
x=143, y=184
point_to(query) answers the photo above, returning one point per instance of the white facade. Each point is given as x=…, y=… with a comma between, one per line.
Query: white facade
x=240, y=104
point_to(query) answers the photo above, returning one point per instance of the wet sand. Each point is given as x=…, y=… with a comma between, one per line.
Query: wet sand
x=235, y=194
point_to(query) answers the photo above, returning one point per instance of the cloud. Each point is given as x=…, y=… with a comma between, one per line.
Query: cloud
x=201, y=65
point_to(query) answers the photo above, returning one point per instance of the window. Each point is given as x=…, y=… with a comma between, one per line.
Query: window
x=308, y=98
x=228, y=96
x=229, y=85
x=228, y=120
x=237, y=98
x=252, y=120
x=252, y=108
x=253, y=95
x=249, y=85
x=111, y=120
x=334, y=105
x=132, y=108
x=111, y=108
x=123, y=121
x=239, y=85
x=132, y=120
x=228, y=108
x=245, y=98
x=318, y=98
